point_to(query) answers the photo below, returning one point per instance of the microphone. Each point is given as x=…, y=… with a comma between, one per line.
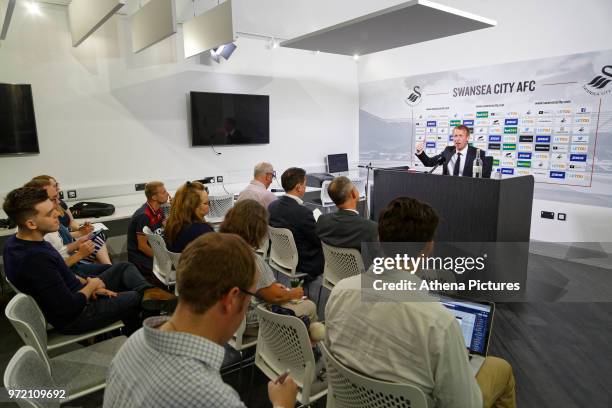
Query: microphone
x=440, y=162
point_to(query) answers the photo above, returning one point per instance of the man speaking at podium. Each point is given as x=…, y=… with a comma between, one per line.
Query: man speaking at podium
x=456, y=160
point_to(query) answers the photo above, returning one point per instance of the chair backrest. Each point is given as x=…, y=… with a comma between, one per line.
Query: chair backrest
x=264, y=247
x=360, y=184
x=349, y=389
x=341, y=263
x=11, y=285
x=283, y=343
x=325, y=198
x=25, y=316
x=283, y=250
x=220, y=205
x=160, y=254
x=27, y=371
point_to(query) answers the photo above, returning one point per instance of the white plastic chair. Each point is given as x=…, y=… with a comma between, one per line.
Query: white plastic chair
x=27, y=371
x=79, y=372
x=326, y=200
x=340, y=263
x=219, y=206
x=349, y=389
x=239, y=341
x=264, y=248
x=57, y=340
x=283, y=344
x=162, y=263
x=283, y=252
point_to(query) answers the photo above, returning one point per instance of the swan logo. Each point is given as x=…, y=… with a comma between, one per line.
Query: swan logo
x=598, y=85
x=415, y=96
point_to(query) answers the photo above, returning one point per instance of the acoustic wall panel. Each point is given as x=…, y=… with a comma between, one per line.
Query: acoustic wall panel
x=86, y=16
x=408, y=23
x=6, y=12
x=153, y=23
x=208, y=30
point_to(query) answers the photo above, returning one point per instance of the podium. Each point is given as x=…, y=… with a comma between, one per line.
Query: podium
x=470, y=209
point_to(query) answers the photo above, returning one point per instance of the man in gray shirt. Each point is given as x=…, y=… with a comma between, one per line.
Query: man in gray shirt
x=175, y=361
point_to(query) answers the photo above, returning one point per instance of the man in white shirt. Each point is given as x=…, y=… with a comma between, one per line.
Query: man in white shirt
x=258, y=187
x=458, y=159
x=417, y=342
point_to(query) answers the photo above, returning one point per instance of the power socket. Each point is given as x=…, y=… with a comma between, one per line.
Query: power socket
x=72, y=194
x=140, y=186
x=219, y=179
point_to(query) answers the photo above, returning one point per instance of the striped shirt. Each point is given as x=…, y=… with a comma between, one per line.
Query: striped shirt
x=168, y=369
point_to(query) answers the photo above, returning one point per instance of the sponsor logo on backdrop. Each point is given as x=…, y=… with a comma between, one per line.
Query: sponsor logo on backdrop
x=415, y=97
x=527, y=121
x=496, y=122
x=523, y=172
x=441, y=138
x=559, y=148
x=579, y=148
x=582, y=121
x=496, y=131
x=580, y=139
x=507, y=171
x=420, y=138
x=443, y=123
x=559, y=157
x=443, y=130
x=468, y=122
x=576, y=176
x=495, y=138
x=431, y=123
x=510, y=129
x=509, y=138
x=545, y=112
x=481, y=145
x=496, y=162
x=581, y=129
x=540, y=164
x=509, y=146
x=431, y=145
x=563, y=121
x=470, y=115
x=523, y=163
x=526, y=138
x=431, y=130
x=524, y=156
x=541, y=156
x=545, y=121
x=561, y=139
x=557, y=174
x=512, y=114
x=542, y=147
x=562, y=130
x=481, y=131
x=542, y=139
x=525, y=147
x=544, y=131
x=558, y=166
x=508, y=163
x=538, y=173
x=577, y=166
x=454, y=123
x=482, y=122
x=511, y=122
x=599, y=84
x=578, y=157
x=494, y=146
x=483, y=114
x=496, y=153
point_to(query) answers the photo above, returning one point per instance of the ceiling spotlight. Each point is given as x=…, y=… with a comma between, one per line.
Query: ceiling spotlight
x=356, y=57
x=32, y=7
x=224, y=51
x=275, y=44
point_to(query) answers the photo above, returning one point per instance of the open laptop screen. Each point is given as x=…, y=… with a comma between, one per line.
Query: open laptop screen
x=475, y=320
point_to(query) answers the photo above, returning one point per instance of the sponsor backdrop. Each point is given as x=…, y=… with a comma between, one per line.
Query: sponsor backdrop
x=550, y=118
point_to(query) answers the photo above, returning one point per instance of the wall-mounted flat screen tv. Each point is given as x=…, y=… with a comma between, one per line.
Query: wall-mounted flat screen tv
x=229, y=119
x=17, y=122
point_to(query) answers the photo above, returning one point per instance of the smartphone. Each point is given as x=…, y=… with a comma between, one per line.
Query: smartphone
x=94, y=235
x=281, y=378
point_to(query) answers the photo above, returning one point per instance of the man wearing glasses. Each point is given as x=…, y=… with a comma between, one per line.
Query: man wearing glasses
x=258, y=187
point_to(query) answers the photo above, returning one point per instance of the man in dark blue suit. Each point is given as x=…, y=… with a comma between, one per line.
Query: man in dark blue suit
x=289, y=212
x=458, y=159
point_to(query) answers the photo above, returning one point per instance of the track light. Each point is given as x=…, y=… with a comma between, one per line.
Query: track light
x=225, y=51
x=33, y=7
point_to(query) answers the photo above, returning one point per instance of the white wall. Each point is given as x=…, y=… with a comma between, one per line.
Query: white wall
x=526, y=30
x=106, y=116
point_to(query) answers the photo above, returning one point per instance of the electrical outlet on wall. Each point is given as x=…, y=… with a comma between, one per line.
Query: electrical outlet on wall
x=72, y=194
x=219, y=179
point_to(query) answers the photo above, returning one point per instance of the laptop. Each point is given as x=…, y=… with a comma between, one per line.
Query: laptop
x=475, y=319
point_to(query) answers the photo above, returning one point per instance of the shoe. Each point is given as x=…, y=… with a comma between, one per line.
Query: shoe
x=158, y=299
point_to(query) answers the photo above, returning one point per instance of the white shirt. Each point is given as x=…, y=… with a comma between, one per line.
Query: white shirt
x=418, y=343
x=453, y=160
x=55, y=239
x=296, y=198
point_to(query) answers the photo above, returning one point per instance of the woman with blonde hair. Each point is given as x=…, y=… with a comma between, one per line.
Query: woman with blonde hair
x=186, y=221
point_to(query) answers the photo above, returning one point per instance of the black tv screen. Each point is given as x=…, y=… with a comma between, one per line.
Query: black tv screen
x=229, y=119
x=17, y=123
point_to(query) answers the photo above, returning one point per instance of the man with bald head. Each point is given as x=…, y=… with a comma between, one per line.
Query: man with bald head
x=258, y=187
x=345, y=228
